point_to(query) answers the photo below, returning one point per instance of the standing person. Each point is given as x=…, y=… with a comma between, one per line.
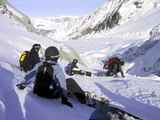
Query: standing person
x=48, y=78
x=114, y=66
x=29, y=59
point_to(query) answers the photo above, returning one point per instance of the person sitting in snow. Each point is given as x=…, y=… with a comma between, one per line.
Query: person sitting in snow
x=29, y=59
x=114, y=66
x=48, y=78
x=72, y=68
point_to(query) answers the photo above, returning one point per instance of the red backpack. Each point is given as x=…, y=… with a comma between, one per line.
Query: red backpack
x=113, y=60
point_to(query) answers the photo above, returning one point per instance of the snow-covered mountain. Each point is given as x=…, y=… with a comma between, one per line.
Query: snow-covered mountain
x=112, y=13
x=135, y=39
x=20, y=18
x=55, y=27
x=19, y=105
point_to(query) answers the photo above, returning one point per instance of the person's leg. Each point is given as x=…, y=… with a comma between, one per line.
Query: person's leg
x=110, y=70
x=59, y=91
x=121, y=71
x=74, y=88
x=115, y=69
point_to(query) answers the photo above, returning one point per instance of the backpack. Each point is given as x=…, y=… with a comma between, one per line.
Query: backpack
x=24, y=57
x=44, y=79
x=114, y=60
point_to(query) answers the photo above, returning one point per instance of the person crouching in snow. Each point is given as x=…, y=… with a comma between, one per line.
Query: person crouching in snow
x=114, y=66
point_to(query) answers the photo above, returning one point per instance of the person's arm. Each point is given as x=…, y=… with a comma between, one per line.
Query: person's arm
x=29, y=78
x=60, y=76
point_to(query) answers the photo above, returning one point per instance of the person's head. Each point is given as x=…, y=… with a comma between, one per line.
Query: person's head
x=52, y=53
x=36, y=47
x=75, y=61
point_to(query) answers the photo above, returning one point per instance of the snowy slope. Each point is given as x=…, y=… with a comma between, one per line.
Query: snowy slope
x=139, y=47
x=139, y=95
x=131, y=40
x=19, y=104
x=22, y=105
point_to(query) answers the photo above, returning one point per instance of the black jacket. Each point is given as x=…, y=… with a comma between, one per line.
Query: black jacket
x=33, y=58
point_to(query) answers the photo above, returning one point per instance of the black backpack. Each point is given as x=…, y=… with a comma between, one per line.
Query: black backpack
x=44, y=79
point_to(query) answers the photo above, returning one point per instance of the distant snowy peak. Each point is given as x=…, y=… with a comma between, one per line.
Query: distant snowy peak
x=112, y=13
x=20, y=18
x=105, y=17
x=55, y=27
x=50, y=23
x=134, y=9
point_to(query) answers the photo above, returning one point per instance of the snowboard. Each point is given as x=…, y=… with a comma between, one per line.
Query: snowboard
x=100, y=73
x=92, y=100
x=82, y=72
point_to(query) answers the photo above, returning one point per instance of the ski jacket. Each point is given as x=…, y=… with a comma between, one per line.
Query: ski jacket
x=33, y=58
x=114, y=60
x=57, y=72
x=69, y=68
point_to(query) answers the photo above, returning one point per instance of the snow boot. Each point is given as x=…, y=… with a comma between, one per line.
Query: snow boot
x=66, y=102
x=75, y=90
x=81, y=97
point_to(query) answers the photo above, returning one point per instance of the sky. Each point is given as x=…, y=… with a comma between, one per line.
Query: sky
x=57, y=7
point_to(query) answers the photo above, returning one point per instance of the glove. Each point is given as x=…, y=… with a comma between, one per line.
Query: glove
x=21, y=86
x=66, y=102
